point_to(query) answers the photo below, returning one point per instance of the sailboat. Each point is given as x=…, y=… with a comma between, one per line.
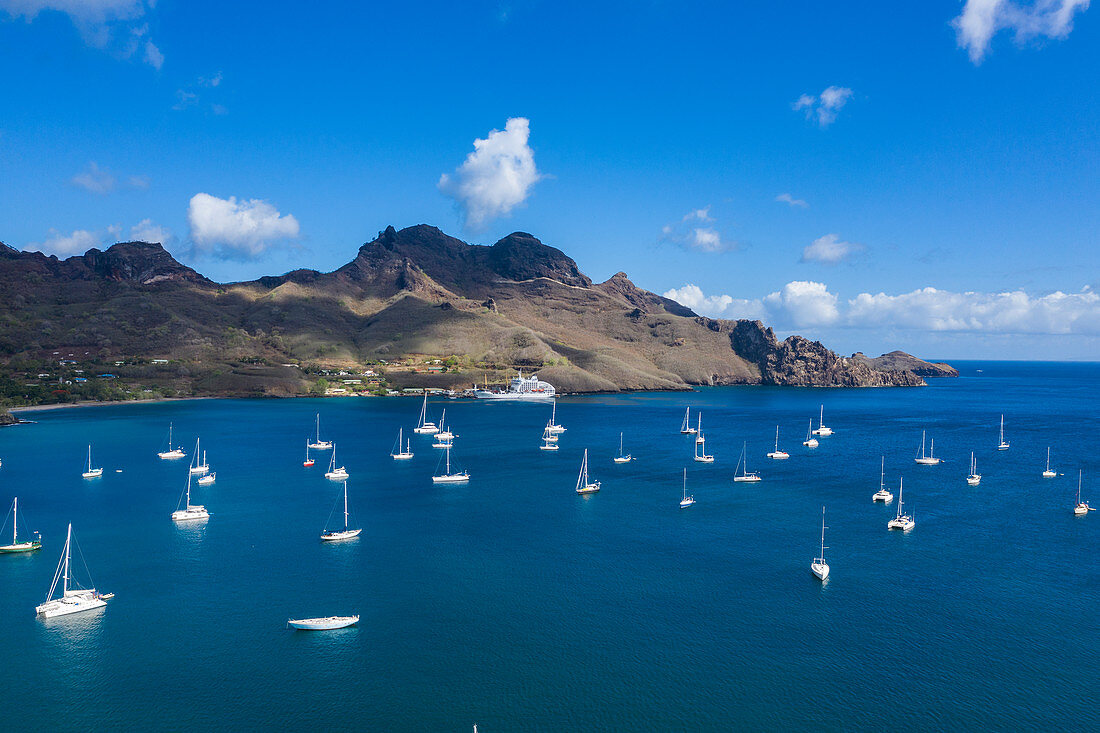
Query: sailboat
x=1048, y=473
x=810, y=441
x=16, y=545
x=90, y=472
x=902, y=521
x=548, y=434
x=687, y=500
x=701, y=450
x=699, y=427
x=396, y=453
x=334, y=472
x=974, y=478
x=308, y=462
x=1001, y=444
x=1082, y=507
x=197, y=466
x=444, y=434
x=458, y=477
x=190, y=511
x=622, y=457
x=209, y=478
x=584, y=486
x=549, y=440
x=72, y=600
x=342, y=534
x=686, y=428
x=326, y=623
x=778, y=454
x=171, y=453
x=819, y=567
x=821, y=429
x=319, y=444
x=743, y=464
x=930, y=459
x=882, y=494
x=423, y=425
x=555, y=429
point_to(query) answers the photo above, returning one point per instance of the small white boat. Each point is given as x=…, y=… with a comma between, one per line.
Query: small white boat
x=444, y=434
x=90, y=472
x=821, y=429
x=743, y=464
x=1081, y=508
x=1048, y=473
x=699, y=427
x=16, y=545
x=974, y=478
x=458, y=477
x=687, y=500
x=347, y=532
x=308, y=462
x=701, y=450
x=1001, y=444
x=810, y=441
x=549, y=440
x=423, y=425
x=325, y=623
x=172, y=453
x=777, y=454
x=622, y=457
x=207, y=479
x=190, y=512
x=396, y=453
x=72, y=600
x=584, y=486
x=819, y=567
x=882, y=494
x=555, y=429
x=685, y=428
x=334, y=472
x=319, y=444
x=199, y=467
x=902, y=521
x=929, y=459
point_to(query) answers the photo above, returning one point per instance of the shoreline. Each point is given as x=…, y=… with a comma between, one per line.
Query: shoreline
x=104, y=403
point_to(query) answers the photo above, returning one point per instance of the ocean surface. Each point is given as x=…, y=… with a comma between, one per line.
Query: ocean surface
x=513, y=603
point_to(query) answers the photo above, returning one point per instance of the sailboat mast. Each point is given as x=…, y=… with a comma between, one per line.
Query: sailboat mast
x=1048, y=458
x=345, y=506
x=822, y=533
x=68, y=539
x=188, y=489
x=15, y=520
x=685, y=483
x=882, y=474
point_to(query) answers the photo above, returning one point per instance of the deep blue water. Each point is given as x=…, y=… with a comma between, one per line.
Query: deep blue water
x=516, y=604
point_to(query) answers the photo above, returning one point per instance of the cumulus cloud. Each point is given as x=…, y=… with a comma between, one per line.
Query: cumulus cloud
x=790, y=200
x=723, y=306
x=114, y=24
x=65, y=245
x=829, y=250
x=802, y=303
x=980, y=20
x=235, y=229
x=824, y=107
x=690, y=233
x=496, y=177
x=148, y=231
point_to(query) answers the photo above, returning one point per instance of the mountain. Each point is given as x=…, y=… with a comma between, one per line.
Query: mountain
x=408, y=296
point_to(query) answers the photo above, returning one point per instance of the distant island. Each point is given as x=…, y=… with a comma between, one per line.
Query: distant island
x=416, y=308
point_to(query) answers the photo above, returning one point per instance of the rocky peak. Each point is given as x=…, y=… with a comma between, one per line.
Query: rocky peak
x=144, y=263
x=520, y=256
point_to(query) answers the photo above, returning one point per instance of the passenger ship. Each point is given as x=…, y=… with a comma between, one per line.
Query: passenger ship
x=522, y=388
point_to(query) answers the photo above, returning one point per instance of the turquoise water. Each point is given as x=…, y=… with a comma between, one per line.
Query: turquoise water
x=516, y=604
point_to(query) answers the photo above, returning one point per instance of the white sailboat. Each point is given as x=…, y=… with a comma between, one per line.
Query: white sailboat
x=326, y=623
x=308, y=462
x=347, y=532
x=190, y=512
x=743, y=464
x=199, y=467
x=172, y=453
x=1081, y=508
x=902, y=521
x=686, y=428
x=549, y=440
x=1048, y=473
x=16, y=545
x=334, y=472
x=929, y=459
x=701, y=450
x=458, y=477
x=974, y=478
x=777, y=454
x=584, y=486
x=1001, y=444
x=319, y=444
x=821, y=429
x=687, y=500
x=810, y=441
x=396, y=453
x=819, y=567
x=882, y=494
x=209, y=478
x=72, y=599
x=423, y=425
x=90, y=472
x=622, y=457
x=444, y=434
x=555, y=429
x=699, y=427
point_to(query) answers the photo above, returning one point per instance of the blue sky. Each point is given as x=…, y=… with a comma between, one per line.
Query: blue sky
x=936, y=161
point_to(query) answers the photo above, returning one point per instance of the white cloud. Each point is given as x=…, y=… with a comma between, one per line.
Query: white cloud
x=153, y=56
x=698, y=215
x=829, y=250
x=496, y=177
x=719, y=306
x=687, y=233
x=95, y=179
x=237, y=229
x=980, y=20
x=66, y=245
x=803, y=303
x=824, y=107
x=786, y=198
x=102, y=23
x=147, y=231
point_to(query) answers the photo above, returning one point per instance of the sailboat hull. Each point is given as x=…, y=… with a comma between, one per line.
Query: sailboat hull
x=622, y=459
x=323, y=624
x=927, y=461
x=190, y=514
x=20, y=547
x=704, y=459
x=344, y=534
x=72, y=602
x=459, y=478
x=1049, y=474
x=337, y=475
x=94, y=473
x=171, y=455
x=820, y=570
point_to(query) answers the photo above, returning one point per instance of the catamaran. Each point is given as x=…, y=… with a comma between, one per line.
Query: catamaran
x=821, y=429
x=902, y=521
x=810, y=441
x=423, y=425
x=334, y=472
x=190, y=512
x=308, y=461
x=171, y=453
x=16, y=545
x=319, y=444
x=72, y=600
x=687, y=500
x=1001, y=444
x=458, y=477
x=701, y=450
x=622, y=457
x=974, y=478
x=1048, y=473
x=882, y=494
x=327, y=623
x=1082, y=507
x=778, y=454
x=743, y=464
x=199, y=467
x=929, y=459
x=584, y=486
x=396, y=453
x=90, y=472
x=347, y=532
x=819, y=567
x=554, y=427
x=549, y=440
x=686, y=428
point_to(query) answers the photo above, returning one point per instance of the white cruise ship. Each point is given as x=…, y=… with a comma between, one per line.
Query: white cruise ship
x=527, y=389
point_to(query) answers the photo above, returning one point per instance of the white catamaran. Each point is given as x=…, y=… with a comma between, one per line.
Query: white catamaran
x=819, y=567
x=929, y=459
x=777, y=454
x=743, y=464
x=821, y=429
x=396, y=452
x=90, y=472
x=902, y=521
x=16, y=545
x=701, y=450
x=1048, y=473
x=622, y=457
x=458, y=477
x=810, y=441
x=882, y=494
x=73, y=599
x=319, y=444
x=347, y=532
x=173, y=452
x=584, y=486
x=190, y=512
x=334, y=472
x=423, y=425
